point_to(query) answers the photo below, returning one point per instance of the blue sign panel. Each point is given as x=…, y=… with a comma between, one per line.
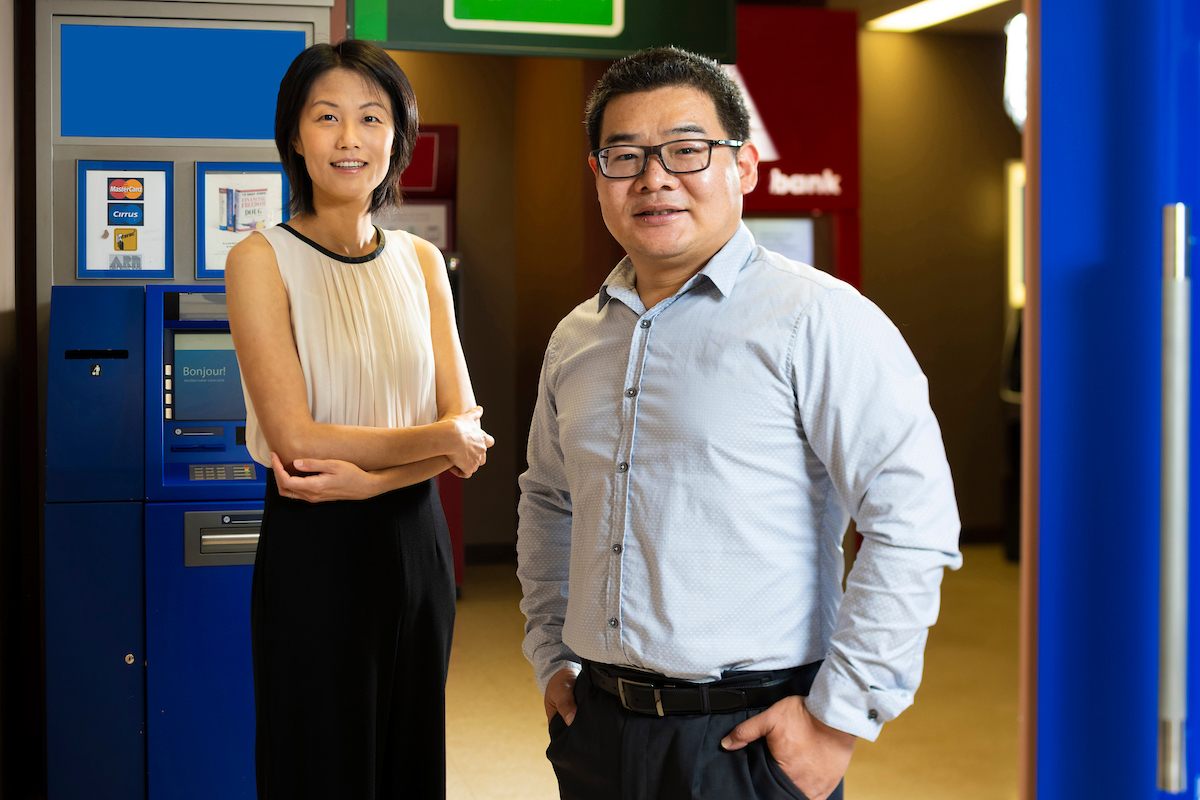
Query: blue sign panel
x=169, y=82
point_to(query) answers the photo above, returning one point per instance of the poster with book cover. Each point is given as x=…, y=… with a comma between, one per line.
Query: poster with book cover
x=232, y=201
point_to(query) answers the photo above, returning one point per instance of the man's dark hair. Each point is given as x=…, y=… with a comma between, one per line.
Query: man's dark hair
x=376, y=67
x=657, y=67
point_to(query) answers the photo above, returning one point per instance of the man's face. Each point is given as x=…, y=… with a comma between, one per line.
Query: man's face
x=667, y=221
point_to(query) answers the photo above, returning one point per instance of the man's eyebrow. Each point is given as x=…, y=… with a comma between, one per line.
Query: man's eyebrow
x=617, y=138
x=622, y=138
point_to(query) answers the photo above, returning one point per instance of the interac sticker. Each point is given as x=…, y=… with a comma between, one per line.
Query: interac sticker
x=125, y=239
x=559, y=17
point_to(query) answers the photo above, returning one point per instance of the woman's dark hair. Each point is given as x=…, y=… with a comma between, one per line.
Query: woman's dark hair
x=658, y=67
x=375, y=66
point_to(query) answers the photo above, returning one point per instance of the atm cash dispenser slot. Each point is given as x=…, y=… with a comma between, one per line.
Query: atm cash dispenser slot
x=220, y=538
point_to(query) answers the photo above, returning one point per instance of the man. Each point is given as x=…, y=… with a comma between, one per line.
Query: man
x=705, y=428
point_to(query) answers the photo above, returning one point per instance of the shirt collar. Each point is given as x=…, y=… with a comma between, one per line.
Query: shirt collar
x=722, y=269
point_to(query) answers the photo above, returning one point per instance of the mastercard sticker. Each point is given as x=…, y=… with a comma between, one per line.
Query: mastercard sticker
x=125, y=189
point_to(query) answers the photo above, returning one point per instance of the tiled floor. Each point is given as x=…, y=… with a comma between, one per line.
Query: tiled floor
x=958, y=740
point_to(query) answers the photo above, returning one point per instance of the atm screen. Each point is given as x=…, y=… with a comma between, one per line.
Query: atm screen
x=794, y=237
x=207, y=383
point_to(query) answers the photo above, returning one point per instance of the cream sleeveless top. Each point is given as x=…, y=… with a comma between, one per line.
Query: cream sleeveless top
x=361, y=326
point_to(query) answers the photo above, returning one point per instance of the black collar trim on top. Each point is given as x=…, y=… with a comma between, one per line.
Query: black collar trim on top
x=336, y=257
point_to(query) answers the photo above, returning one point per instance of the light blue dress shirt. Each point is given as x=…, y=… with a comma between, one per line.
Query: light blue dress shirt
x=693, y=468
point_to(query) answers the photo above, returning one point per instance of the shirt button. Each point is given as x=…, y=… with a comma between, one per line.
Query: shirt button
x=623, y=467
x=645, y=323
x=872, y=715
x=631, y=392
x=617, y=548
x=612, y=622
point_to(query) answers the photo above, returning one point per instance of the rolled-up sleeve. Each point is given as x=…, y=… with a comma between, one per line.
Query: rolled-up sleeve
x=863, y=403
x=544, y=538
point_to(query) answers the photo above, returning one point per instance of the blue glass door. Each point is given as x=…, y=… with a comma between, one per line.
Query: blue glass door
x=1117, y=141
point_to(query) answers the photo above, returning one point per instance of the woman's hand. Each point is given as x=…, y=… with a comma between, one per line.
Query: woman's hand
x=469, y=442
x=326, y=479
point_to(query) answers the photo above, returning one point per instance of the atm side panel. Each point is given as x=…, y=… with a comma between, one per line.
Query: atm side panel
x=94, y=421
x=95, y=652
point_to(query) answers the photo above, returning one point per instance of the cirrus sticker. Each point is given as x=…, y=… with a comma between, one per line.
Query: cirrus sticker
x=126, y=214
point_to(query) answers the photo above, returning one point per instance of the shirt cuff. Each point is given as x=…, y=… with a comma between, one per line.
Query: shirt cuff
x=841, y=702
x=554, y=666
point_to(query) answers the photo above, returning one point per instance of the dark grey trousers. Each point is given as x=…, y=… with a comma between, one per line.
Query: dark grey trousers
x=609, y=753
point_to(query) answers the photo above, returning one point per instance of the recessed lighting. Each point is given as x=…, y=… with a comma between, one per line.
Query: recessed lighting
x=928, y=13
x=1016, y=69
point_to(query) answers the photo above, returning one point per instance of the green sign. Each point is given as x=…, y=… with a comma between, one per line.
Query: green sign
x=582, y=17
x=576, y=28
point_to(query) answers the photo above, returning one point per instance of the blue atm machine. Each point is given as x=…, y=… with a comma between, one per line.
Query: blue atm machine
x=152, y=517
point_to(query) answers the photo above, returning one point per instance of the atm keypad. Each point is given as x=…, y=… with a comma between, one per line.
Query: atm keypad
x=221, y=472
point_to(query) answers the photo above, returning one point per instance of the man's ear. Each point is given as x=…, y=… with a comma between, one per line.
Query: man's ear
x=747, y=162
x=594, y=165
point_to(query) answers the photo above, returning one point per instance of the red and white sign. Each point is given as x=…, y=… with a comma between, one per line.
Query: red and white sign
x=798, y=68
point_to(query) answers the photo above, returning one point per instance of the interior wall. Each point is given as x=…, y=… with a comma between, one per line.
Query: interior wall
x=530, y=231
x=934, y=141
x=477, y=94
x=601, y=251
x=563, y=250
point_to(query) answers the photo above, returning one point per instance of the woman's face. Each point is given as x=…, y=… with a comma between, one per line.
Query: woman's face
x=345, y=136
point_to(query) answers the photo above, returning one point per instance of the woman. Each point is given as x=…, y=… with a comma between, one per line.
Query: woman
x=357, y=395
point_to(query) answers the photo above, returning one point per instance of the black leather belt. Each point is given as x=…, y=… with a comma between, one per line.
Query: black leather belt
x=658, y=695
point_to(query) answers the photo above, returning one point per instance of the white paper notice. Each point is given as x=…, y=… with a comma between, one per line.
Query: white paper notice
x=126, y=220
x=235, y=205
x=430, y=221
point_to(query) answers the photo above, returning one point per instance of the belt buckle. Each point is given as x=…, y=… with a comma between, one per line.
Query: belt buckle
x=623, y=682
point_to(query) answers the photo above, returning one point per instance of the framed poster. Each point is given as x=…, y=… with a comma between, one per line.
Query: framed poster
x=433, y=170
x=432, y=220
x=234, y=199
x=125, y=219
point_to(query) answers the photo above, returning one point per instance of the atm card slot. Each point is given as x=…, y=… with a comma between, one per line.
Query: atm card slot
x=208, y=431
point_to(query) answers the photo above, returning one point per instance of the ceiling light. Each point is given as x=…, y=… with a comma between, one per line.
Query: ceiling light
x=928, y=13
x=1015, y=70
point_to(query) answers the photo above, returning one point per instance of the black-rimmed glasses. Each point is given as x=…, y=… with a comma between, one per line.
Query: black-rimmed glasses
x=677, y=157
